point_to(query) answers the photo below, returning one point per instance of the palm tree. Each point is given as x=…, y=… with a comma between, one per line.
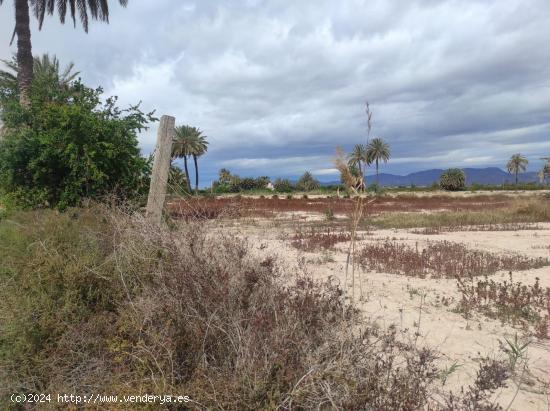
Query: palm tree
x=378, y=150
x=200, y=147
x=183, y=147
x=356, y=158
x=44, y=67
x=96, y=9
x=545, y=170
x=516, y=164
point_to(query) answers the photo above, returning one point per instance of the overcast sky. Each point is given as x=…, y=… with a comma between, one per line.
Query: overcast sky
x=276, y=85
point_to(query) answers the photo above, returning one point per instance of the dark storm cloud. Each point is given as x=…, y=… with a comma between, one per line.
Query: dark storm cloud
x=277, y=85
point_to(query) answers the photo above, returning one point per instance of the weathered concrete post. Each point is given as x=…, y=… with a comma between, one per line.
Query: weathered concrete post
x=161, y=168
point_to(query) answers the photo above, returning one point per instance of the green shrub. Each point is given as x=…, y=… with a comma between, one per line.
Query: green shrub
x=307, y=182
x=283, y=185
x=232, y=183
x=453, y=179
x=71, y=145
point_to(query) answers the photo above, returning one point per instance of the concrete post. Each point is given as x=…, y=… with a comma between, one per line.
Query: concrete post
x=161, y=168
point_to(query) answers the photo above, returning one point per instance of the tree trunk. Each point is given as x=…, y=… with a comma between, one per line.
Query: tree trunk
x=24, y=51
x=377, y=178
x=196, y=174
x=187, y=174
x=516, y=177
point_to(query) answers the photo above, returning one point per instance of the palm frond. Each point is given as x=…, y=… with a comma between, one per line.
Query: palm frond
x=83, y=9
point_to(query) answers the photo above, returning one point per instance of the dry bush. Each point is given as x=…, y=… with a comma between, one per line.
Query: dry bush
x=313, y=239
x=491, y=375
x=440, y=259
x=509, y=301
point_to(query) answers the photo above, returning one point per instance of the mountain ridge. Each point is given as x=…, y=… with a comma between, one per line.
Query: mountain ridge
x=487, y=175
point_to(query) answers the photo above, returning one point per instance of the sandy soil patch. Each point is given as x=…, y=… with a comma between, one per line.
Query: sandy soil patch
x=422, y=309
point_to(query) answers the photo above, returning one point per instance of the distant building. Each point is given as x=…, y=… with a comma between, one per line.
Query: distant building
x=270, y=186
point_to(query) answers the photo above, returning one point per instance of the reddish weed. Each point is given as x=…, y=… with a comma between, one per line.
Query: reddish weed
x=440, y=259
x=508, y=301
x=315, y=239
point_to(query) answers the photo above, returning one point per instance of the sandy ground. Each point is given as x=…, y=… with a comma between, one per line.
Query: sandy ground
x=415, y=305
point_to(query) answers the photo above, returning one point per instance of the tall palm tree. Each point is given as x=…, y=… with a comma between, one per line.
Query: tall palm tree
x=45, y=67
x=378, y=150
x=183, y=147
x=200, y=147
x=96, y=9
x=357, y=158
x=516, y=164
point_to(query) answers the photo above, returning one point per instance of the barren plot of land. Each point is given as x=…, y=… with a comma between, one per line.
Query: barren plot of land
x=469, y=292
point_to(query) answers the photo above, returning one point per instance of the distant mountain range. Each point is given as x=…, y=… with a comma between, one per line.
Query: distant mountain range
x=489, y=175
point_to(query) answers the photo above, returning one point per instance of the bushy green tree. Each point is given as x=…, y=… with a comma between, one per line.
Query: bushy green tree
x=247, y=183
x=307, y=182
x=70, y=144
x=453, y=179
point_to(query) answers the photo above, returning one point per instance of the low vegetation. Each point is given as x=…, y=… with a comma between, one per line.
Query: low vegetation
x=483, y=227
x=490, y=213
x=439, y=259
x=313, y=239
x=400, y=211
x=509, y=301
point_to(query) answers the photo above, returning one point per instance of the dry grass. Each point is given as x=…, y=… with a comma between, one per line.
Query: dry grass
x=514, y=212
x=440, y=259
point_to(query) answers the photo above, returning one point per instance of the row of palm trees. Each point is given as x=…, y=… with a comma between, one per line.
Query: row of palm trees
x=376, y=151
x=189, y=142
x=518, y=163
